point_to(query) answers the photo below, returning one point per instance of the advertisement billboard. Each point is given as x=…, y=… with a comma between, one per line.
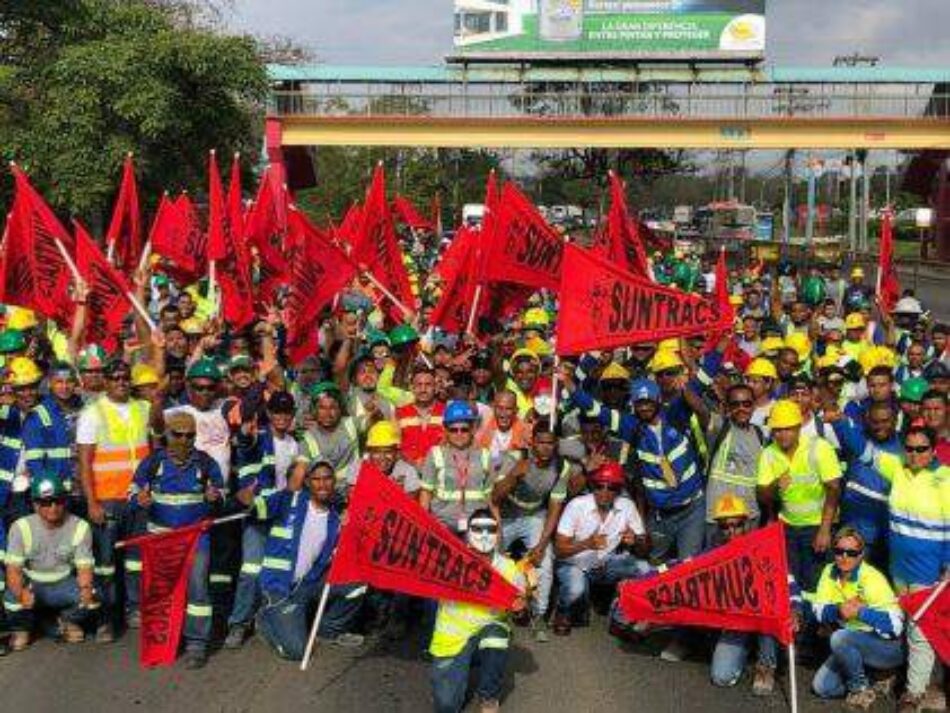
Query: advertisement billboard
x=604, y=29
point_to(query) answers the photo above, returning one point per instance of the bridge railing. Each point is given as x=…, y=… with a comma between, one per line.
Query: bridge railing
x=493, y=101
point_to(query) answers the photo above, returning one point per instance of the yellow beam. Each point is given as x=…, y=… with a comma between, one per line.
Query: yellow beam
x=844, y=133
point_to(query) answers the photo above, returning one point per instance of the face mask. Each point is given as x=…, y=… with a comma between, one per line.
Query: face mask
x=483, y=540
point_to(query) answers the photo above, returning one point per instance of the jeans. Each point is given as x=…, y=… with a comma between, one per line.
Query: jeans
x=528, y=528
x=450, y=673
x=119, y=524
x=732, y=651
x=284, y=623
x=803, y=562
x=852, y=651
x=575, y=582
x=197, y=631
x=62, y=596
x=685, y=529
x=246, y=597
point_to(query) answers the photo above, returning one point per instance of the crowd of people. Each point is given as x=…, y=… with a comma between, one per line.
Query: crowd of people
x=822, y=409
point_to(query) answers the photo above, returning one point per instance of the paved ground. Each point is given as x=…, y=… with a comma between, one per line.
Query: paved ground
x=587, y=672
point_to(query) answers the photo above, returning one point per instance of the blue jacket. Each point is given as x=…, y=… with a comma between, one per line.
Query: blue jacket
x=255, y=462
x=48, y=440
x=11, y=444
x=287, y=512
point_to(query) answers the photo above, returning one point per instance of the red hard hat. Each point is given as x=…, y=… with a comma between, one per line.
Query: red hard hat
x=610, y=473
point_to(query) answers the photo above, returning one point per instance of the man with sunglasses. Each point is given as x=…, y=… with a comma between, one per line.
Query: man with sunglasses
x=177, y=486
x=112, y=435
x=49, y=565
x=595, y=542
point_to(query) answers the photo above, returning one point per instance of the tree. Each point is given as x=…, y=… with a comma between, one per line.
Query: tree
x=83, y=82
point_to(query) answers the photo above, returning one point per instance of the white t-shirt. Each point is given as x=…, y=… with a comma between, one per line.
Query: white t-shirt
x=87, y=425
x=286, y=449
x=214, y=435
x=581, y=519
x=312, y=537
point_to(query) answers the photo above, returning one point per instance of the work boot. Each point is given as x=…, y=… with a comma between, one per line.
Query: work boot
x=195, y=659
x=345, y=641
x=934, y=700
x=540, y=629
x=71, y=633
x=19, y=640
x=909, y=703
x=861, y=700
x=104, y=633
x=763, y=682
x=562, y=624
x=675, y=651
x=236, y=635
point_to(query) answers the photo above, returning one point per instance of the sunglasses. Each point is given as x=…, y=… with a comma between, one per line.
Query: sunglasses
x=745, y=403
x=204, y=387
x=492, y=529
x=845, y=552
x=119, y=377
x=917, y=449
x=604, y=486
x=183, y=435
x=50, y=502
x=459, y=429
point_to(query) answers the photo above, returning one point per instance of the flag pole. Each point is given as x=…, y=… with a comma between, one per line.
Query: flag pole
x=792, y=678
x=212, y=295
x=74, y=271
x=143, y=313
x=386, y=293
x=934, y=595
x=470, y=327
x=312, y=639
x=220, y=521
x=146, y=254
x=554, y=393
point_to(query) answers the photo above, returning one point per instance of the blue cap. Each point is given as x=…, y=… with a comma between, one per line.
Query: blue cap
x=644, y=390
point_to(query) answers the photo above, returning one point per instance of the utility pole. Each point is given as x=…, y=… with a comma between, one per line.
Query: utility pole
x=787, y=205
x=865, y=198
x=853, y=203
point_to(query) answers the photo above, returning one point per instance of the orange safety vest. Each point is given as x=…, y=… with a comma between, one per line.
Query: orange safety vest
x=120, y=446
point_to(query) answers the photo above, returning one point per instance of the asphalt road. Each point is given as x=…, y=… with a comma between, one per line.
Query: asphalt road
x=589, y=671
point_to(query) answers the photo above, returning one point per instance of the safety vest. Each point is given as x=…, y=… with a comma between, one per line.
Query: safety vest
x=457, y=622
x=120, y=446
x=448, y=491
x=804, y=499
x=313, y=452
x=58, y=573
x=719, y=468
x=418, y=434
x=882, y=614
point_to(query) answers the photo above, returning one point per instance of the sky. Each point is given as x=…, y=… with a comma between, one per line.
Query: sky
x=904, y=33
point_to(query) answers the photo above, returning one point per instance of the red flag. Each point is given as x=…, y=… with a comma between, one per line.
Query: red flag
x=166, y=564
x=377, y=247
x=603, y=307
x=348, y=231
x=935, y=623
x=408, y=215
x=741, y=586
x=267, y=232
x=124, y=237
x=226, y=248
x=391, y=543
x=178, y=237
x=458, y=270
x=888, y=283
x=318, y=271
x=624, y=243
x=520, y=246
x=36, y=275
x=107, y=303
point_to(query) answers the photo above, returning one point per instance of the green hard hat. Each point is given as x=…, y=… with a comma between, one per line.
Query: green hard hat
x=328, y=388
x=376, y=336
x=11, y=341
x=204, y=369
x=683, y=276
x=48, y=485
x=813, y=290
x=914, y=390
x=403, y=334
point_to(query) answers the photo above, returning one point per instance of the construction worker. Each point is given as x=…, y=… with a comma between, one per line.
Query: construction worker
x=855, y=602
x=264, y=458
x=24, y=377
x=364, y=403
x=762, y=377
x=333, y=437
x=49, y=564
x=524, y=379
x=613, y=383
x=595, y=542
x=799, y=479
x=304, y=530
x=178, y=486
x=468, y=634
x=383, y=451
x=502, y=431
x=92, y=362
x=112, y=435
x=420, y=422
x=49, y=431
x=457, y=476
x=529, y=492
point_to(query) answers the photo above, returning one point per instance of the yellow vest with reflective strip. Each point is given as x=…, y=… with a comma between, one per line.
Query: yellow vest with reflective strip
x=443, y=492
x=457, y=622
x=120, y=446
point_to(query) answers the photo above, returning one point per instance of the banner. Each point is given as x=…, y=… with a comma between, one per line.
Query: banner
x=520, y=246
x=124, y=237
x=266, y=233
x=603, y=307
x=391, y=543
x=318, y=271
x=177, y=237
x=166, y=564
x=741, y=586
x=408, y=215
x=621, y=242
x=107, y=302
x=935, y=623
x=888, y=283
x=458, y=270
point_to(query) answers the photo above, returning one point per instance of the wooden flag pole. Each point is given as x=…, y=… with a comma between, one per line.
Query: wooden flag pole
x=473, y=315
x=386, y=293
x=312, y=639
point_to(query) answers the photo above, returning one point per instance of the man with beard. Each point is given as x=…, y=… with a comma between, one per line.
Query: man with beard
x=333, y=436
x=421, y=421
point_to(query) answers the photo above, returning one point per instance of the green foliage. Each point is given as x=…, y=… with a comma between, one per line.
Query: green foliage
x=86, y=81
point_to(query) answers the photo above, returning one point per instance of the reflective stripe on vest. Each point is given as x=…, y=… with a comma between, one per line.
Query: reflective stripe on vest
x=455, y=495
x=719, y=471
x=120, y=446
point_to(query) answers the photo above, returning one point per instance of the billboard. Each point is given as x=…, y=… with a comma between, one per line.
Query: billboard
x=714, y=29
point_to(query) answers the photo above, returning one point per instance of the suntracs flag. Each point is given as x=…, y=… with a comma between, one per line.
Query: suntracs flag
x=107, y=303
x=391, y=543
x=124, y=238
x=604, y=307
x=935, y=622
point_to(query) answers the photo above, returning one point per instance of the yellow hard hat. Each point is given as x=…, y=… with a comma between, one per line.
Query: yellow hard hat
x=538, y=346
x=736, y=300
x=534, y=318
x=144, y=375
x=668, y=345
x=382, y=434
x=192, y=326
x=830, y=358
x=730, y=505
x=876, y=356
x=23, y=371
x=855, y=320
x=665, y=359
x=524, y=354
x=857, y=272
x=21, y=319
x=800, y=342
x=762, y=368
x=785, y=414
x=772, y=344
x=614, y=372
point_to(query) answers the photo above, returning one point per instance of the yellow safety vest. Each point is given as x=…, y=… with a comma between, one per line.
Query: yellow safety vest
x=870, y=586
x=120, y=446
x=812, y=465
